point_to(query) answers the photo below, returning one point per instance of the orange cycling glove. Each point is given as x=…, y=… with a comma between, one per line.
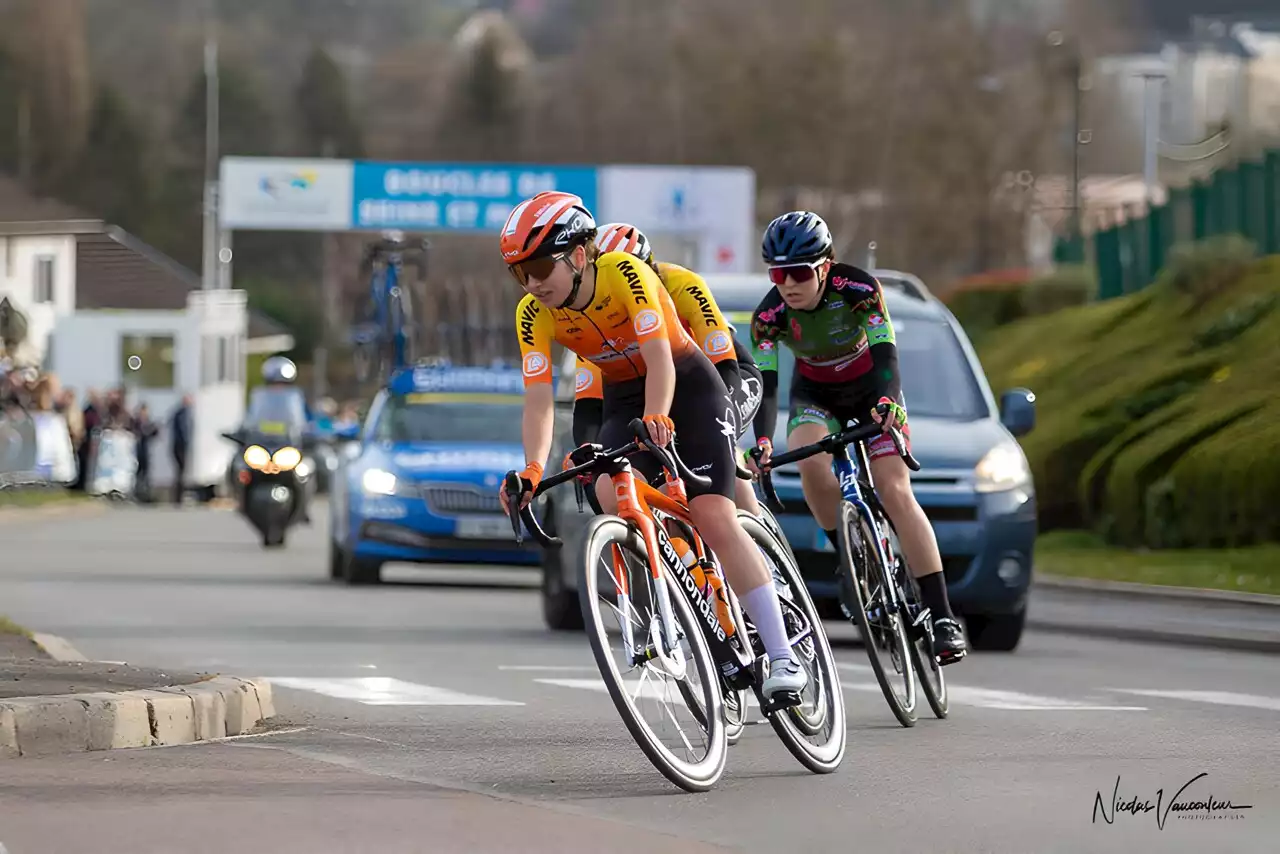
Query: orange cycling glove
x=532, y=474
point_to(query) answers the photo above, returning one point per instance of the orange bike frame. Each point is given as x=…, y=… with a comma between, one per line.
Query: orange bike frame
x=637, y=501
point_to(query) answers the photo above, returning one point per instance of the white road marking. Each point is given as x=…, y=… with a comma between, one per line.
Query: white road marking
x=384, y=691
x=548, y=667
x=651, y=690
x=991, y=698
x=1222, y=698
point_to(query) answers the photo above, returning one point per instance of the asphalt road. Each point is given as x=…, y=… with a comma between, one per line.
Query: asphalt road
x=437, y=714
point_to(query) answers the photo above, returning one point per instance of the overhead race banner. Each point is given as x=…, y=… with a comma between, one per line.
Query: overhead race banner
x=712, y=206
x=455, y=196
x=283, y=194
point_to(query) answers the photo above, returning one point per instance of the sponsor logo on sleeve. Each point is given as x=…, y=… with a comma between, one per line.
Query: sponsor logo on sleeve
x=875, y=320
x=583, y=380
x=647, y=321
x=717, y=343
x=535, y=364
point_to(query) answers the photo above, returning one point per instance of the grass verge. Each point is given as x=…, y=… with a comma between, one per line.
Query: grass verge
x=9, y=627
x=38, y=497
x=1080, y=554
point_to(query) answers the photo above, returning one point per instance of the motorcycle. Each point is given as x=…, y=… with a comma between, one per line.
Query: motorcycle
x=272, y=479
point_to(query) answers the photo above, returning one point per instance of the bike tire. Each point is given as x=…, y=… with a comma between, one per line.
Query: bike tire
x=928, y=671
x=603, y=533
x=791, y=725
x=854, y=541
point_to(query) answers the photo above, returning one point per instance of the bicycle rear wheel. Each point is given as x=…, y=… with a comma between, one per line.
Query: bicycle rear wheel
x=813, y=731
x=695, y=760
x=883, y=631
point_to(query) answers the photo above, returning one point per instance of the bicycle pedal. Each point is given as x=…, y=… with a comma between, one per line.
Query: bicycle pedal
x=950, y=658
x=781, y=700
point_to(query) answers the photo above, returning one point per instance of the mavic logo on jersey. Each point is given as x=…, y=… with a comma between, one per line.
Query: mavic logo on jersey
x=535, y=364
x=703, y=303
x=633, y=282
x=527, y=317
x=717, y=343
x=583, y=380
x=647, y=321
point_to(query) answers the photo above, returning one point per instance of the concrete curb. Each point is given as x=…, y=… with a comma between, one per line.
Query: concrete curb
x=1215, y=619
x=180, y=714
x=1154, y=591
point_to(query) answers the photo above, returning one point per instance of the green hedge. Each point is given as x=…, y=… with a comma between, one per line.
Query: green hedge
x=1139, y=398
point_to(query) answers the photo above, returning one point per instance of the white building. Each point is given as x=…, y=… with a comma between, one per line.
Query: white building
x=104, y=310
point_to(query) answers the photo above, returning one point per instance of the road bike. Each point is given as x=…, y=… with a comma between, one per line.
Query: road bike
x=678, y=622
x=384, y=342
x=877, y=591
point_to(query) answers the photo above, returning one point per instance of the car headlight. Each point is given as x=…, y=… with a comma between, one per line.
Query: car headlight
x=256, y=456
x=379, y=482
x=1003, y=468
x=287, y=458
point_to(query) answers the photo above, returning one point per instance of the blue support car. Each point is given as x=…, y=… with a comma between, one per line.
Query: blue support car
x=421, y=484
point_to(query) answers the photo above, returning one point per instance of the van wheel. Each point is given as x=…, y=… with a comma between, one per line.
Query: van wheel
x=996, y=632
x=560, y=608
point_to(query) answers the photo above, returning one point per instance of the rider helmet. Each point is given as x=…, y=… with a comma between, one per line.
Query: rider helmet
x=624, y=237
x=799, y=237
x=279, y=369
x=547, y=224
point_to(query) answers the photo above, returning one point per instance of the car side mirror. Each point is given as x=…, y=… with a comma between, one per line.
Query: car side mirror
x=1018, y=411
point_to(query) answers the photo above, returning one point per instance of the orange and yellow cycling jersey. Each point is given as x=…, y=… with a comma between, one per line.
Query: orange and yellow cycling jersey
x=698, y=314
x=630, y=306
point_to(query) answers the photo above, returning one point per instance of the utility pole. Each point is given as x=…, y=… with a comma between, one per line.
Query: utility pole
x=1151, y=132
x=210, y=278
x=1079, y=135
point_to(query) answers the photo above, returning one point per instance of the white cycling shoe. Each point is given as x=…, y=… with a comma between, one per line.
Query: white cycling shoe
x=785, y=675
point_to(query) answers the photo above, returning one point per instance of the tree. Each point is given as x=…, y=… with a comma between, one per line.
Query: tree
x=327, y=125
x=111, y=178
x=482, y=118
x=48, y=38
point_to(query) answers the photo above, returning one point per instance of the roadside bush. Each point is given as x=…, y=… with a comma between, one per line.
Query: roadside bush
x=1235, y=321
x=1225, y=491
x=1066, y=287
x=1148, y=459
x=983, y=303
x=1207, y=268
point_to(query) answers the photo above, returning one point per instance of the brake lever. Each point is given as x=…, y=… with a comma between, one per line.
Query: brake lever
x=578, y=492
x=514, y=490
x=766, y=482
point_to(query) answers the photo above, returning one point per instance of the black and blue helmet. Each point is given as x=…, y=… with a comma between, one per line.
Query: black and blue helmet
x=796, y=238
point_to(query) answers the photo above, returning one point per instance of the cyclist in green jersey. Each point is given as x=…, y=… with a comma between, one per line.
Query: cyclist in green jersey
x=834, y=319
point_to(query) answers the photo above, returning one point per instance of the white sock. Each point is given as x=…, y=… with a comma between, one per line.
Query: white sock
x=762, y=606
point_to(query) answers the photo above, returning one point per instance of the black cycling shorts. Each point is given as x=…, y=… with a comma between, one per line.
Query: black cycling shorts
x=704, y=419
x=834, y=405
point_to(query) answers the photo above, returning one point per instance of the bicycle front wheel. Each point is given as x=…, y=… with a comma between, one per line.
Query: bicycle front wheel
x=813, y=731
x=879, y=622
x=644, y=668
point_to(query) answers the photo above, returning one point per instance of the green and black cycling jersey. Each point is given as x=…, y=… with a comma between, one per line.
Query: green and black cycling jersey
x=846, y=341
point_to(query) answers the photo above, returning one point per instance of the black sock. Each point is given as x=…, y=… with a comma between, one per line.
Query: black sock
x=833, y=537
x=933, y=593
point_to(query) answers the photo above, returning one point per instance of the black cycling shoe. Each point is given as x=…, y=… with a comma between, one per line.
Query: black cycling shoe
x=949, y=645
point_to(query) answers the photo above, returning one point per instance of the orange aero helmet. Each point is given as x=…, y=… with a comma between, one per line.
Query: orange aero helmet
x=623, y=237
x=548, y=223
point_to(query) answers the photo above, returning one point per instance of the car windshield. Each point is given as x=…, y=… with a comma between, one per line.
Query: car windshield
x=277, y=406
x=937, y=381
x=423, y=417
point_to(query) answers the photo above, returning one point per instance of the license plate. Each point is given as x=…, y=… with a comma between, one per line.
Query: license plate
x=821, y=543
x=484, y=527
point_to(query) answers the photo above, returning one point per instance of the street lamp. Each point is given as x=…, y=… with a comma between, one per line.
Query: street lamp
x=1079, y=136
x=209, y=271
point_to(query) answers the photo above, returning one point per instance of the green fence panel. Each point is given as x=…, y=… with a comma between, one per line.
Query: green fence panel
x=1271, y=196
x=1106, y=248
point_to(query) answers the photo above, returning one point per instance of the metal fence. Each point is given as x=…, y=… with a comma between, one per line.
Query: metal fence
x=1243, y=199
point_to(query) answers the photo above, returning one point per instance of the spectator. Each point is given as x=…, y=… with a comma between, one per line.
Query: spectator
x=66, y=407
x=92, y=420
x=144, y=430
x=180, y=430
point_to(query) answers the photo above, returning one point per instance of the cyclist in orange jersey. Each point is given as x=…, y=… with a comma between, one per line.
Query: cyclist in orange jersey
x=613, y=311
x=702, y=319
